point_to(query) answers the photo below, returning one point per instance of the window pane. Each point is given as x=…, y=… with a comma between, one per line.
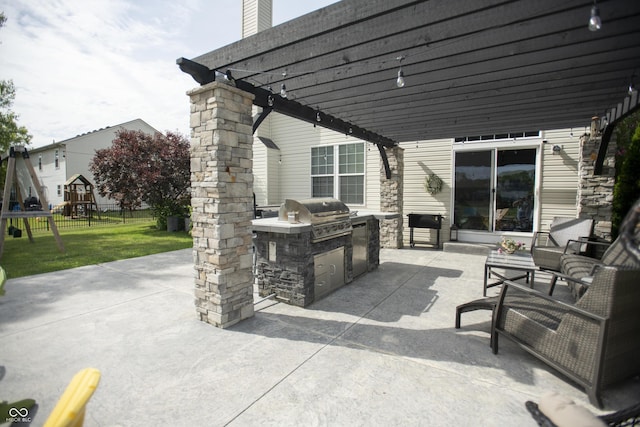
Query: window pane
x=351, y=158
x=516, y=175
x=472, y=194
x=352, y=189
x=322, y=186
x=322, y=161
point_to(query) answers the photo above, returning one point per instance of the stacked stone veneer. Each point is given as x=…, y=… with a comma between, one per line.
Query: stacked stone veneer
x=291, y=275
x=222, y=202
x=392, y=199
x=595, y=192
x=373, y=245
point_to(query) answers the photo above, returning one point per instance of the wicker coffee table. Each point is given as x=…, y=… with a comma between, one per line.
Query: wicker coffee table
x=518, y=261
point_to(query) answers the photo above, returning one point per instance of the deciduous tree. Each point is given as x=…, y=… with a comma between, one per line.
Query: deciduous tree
x=10, y=132
x=140, y=167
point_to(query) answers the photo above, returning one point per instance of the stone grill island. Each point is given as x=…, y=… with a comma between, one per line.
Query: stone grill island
x=312, y=248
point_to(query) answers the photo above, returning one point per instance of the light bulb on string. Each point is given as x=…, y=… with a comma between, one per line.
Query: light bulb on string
x=283, y=88
x=400, y=80
x=595, y=23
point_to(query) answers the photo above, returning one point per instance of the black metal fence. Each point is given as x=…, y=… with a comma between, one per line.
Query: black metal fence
x=105, y=215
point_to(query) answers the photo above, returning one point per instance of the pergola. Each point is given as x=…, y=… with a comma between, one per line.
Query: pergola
x=471, y=67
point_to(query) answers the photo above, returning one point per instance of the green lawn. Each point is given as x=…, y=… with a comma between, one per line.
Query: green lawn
x=86, y=246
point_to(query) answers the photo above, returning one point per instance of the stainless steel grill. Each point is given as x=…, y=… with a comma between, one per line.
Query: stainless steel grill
x=328, y=217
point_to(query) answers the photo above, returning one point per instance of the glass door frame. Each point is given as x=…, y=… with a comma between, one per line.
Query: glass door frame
x=481, y=236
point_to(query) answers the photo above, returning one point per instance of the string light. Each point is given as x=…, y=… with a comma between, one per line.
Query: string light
x=400, y=80
x=283, y=88
x=595, y=23
x=270, y=99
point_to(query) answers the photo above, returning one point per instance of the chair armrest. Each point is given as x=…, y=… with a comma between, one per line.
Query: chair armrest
x=536, y=235
x=568, y=278
x=537, y=294
x=584, y=241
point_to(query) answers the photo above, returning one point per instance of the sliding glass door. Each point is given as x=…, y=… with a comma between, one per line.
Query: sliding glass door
x=515, y=189
x=473, y=183
x=494, y=190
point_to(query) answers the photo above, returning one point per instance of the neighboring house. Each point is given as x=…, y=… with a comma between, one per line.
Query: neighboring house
x=56, y=163
x=533, y=181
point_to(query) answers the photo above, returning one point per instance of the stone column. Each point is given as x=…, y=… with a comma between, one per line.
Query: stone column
x=222, y=202
x=392, y=199
x=595, y=192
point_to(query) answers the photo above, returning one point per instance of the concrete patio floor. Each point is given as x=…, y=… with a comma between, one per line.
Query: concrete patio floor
x=382, y=350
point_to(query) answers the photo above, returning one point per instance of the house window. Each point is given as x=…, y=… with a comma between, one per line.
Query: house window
x=351, y=173
x=338, y=170
x=495, y=189
x=59, y=189
x=40, y=163
x=322, y=171
x=498, y=137
x=57, y=160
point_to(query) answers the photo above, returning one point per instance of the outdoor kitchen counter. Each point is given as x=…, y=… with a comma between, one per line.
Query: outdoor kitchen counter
x=364, y=215
x=274, y=225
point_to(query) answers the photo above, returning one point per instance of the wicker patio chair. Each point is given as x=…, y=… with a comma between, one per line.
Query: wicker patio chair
x=625, y=417
x=578, y=270
x=594, y=342
x=562, y=237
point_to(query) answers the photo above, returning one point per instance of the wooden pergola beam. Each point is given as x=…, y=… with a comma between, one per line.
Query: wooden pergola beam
x=274, y=102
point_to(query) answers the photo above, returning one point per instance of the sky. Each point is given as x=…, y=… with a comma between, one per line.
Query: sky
x=83, y=65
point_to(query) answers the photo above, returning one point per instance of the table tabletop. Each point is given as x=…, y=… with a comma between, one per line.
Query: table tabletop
x=519, y=260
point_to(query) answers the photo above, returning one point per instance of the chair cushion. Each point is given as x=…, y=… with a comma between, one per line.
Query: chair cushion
x=564, y=412
x=547, y=257
x=563, y=229
x=540, y=315
x=578, y=266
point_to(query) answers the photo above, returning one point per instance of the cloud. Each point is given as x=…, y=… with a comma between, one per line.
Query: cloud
x=81, y=65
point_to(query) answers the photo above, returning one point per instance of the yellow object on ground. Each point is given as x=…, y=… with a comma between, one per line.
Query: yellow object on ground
x=70, y=409
x=3, y=279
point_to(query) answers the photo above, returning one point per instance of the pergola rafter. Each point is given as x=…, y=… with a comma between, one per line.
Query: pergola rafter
x=472, y=67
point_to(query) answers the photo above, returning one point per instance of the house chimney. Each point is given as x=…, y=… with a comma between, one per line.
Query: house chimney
x=256, y=16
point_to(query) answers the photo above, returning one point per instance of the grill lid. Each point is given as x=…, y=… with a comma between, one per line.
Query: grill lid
x=314, y=211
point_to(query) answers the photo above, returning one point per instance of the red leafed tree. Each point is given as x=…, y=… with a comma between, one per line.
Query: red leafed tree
x=140, y=167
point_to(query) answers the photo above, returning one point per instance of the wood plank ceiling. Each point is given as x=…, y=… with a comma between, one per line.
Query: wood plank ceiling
x=471, y=67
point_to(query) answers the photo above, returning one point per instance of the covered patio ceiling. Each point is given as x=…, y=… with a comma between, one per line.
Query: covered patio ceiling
x=471, y=67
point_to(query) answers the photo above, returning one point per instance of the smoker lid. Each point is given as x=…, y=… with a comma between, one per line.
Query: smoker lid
x=314, y=211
